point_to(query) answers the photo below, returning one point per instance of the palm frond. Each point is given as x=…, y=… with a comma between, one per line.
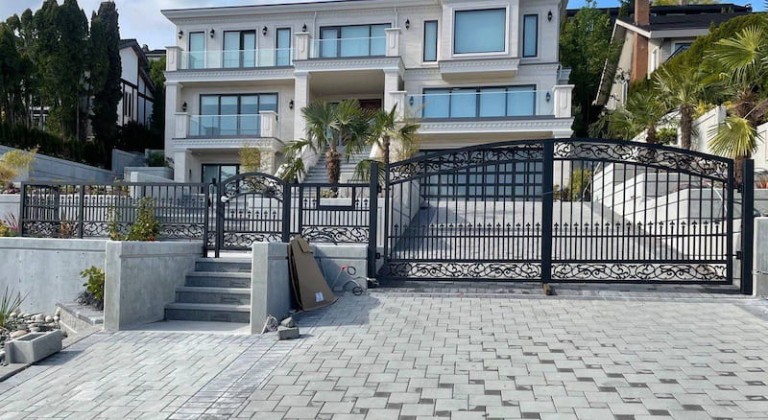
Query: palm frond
x=734, y=138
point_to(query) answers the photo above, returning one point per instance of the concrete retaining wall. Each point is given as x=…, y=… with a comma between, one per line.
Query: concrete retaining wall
x=50, y=169
x=122, y=160
x=47, y=271
x=270, y=284
x=9, y=206
x=147, y=174
x=142, y=278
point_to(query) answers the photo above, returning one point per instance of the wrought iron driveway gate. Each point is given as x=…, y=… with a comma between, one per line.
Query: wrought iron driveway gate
x=568, y=210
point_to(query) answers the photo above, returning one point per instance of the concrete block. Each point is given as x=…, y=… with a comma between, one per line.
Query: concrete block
x=34, y=347
x=270, y=284
x=285, y=333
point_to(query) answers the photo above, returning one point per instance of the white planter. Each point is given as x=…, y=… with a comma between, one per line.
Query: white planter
x=33, y=347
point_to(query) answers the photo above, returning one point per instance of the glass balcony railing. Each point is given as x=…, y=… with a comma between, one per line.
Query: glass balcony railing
x=236, y=59
x=213, y=126
x=349, y=47
x=485, y=103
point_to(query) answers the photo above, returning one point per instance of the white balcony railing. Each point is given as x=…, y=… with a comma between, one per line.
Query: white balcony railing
x=488, y=103
x=212, y=126
x=235, y=59
x=349, y=47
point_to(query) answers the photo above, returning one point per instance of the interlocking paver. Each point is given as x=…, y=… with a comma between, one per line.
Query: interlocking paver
x=403, y=355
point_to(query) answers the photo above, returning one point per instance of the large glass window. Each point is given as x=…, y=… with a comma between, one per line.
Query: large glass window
x=483, y=102
x=479, y=31
x=353, y=41
x=530, y=35
x=197, y=50
x=239, y=49
x=214, y=174
x=232, y=115
x=283, y=52
x=430, y=40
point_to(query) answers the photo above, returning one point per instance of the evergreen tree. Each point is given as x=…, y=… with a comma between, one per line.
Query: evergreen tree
x=105, y=74
x=10, y=77
x=157, y=74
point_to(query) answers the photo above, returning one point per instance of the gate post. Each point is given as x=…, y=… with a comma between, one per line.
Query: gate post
x=219, y=207
x=373, y=218
x=547, y=204
x=22, y=208
x=747, y=225
x=287, y=201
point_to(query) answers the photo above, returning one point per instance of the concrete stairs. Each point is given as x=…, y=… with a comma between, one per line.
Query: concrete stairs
x=318, y=173
x=219, y=290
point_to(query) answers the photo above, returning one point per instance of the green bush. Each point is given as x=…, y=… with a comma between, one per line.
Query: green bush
x=146, y=227
x=581, y=188
x=94, y=287
x=22, y=137
x=666, y=136
x=156, y=160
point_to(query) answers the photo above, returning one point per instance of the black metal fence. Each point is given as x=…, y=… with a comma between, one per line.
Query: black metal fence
x=51, y=210
x=571, y=210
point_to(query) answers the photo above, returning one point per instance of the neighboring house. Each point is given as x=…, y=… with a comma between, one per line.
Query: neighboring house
x=651, y=36
x=154, y=55
x=470, y=71
x=138, y=90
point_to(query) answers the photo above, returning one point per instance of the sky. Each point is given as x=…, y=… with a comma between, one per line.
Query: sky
x=141, y=19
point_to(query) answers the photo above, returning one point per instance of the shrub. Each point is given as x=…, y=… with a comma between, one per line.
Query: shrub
x=581, y=188
x=250, y=159
x=9, y=227
x=666, y=136
x=156, y=160
x=146, y=227
x=12, y=163
x=94, y=287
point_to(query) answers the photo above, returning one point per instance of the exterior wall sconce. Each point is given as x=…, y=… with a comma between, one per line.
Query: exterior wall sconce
x=304, y=28
x=184, y=107
x=181, y=34
x=407, y=24
x=410, y=101
x=549, y=16
x=290, y=104
x=213, y=32
x=549, y=96
x=264, y=31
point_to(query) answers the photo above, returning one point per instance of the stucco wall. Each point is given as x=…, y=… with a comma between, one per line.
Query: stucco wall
x=47, y=271
x=9, y=206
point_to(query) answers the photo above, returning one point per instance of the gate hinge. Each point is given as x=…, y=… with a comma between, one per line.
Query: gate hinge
x=378, y=255
x=379, y=190
x=739, y=255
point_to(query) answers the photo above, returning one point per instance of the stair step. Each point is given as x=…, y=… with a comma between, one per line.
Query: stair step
x=219, y=279
x=208, y=312
x=221, y=265
x=214, y=295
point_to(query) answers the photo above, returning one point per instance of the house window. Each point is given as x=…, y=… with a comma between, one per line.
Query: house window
x=482, y=102
x=215, y=173
x=530, y=35
x=430, y=41
x=353, y=41
x=240, y=49
x=196, y=50
x=283, y=47
x=232, y=115
x=680, y=47
x=479, y=31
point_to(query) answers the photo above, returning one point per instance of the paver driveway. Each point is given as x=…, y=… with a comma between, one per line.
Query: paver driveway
x=416, y=356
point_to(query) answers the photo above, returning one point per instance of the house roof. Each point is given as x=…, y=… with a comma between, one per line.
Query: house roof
x=143, y=60
x=669, y=22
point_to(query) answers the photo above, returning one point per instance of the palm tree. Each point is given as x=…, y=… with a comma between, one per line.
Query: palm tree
x=683, y=90
x=644, y=112
x=387, y=127
x=336, y=128
x=741, y=66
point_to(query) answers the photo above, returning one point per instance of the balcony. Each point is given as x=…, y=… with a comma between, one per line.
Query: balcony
x=485, y=103
x=349, y=47
x=235, y=59
x=224, y=131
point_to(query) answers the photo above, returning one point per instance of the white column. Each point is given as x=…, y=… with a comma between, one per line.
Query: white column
x=563, y=96
x=182, y=126
x=172, y=96
x=398, y=98
x=268, y=124
x=300, y=101
x=391, y=84
x=181, y=166
x=302, y=46
x=393, y=42
x=172, y=58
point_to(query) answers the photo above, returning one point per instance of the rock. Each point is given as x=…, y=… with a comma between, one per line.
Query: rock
x=34, y=329
x=57, y=313
x=49, y=319
x=56, y=318
x=288, y=322
x=12, y=315
x=285, y=333
x=17, y=334
x=38, y=318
